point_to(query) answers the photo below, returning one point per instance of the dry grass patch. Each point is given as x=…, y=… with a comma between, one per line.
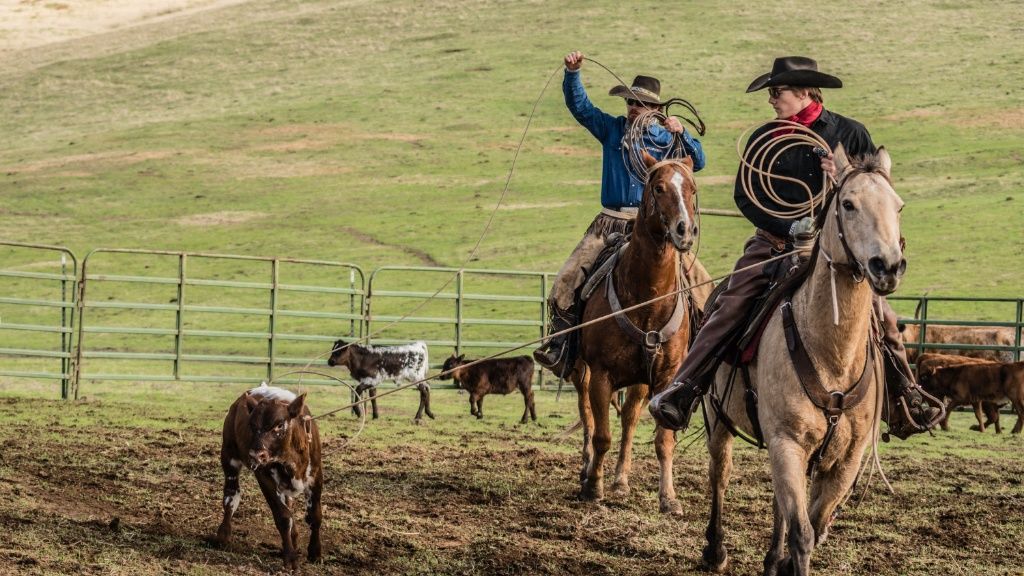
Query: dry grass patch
x=225, y=218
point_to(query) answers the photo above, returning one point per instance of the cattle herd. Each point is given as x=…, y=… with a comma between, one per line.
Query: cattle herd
x=270, y=430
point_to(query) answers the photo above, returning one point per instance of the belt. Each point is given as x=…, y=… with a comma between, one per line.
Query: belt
x=621, y=212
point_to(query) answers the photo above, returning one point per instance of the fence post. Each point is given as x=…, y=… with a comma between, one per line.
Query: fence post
x=179, y=337
x=65, y=361
x=543, y=321
x=352, y=303
x=1017, y=331
x=273, y=318
x=458, y=313
x=921, y=328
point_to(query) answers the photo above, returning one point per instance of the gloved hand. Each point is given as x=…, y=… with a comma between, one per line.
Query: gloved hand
x=802, y=228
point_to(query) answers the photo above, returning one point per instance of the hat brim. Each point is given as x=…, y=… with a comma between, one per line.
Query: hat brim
x=803, y=78
x=623, y=92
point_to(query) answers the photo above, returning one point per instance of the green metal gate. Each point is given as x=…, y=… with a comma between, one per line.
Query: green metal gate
x=28, y=298
x=180, y=310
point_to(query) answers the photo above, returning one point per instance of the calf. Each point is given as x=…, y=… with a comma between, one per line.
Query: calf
x=494, y=376
x=975, y=335
x=927, y=364
x=968, y=383
x=268, y=430
x=371, y=365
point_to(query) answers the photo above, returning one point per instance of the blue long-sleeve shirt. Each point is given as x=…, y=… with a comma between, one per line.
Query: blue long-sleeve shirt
x=619, y=187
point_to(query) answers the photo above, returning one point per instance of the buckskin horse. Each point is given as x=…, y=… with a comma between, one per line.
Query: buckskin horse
x=816, y=379
x=641, y=348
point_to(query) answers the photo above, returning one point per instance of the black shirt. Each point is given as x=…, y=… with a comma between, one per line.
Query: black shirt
x=801, y=163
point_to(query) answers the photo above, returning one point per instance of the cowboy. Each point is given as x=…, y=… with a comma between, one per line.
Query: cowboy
x=621, y=189
x=794, y=92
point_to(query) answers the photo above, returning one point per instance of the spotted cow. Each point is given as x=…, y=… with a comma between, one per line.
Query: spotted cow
x=371, y=365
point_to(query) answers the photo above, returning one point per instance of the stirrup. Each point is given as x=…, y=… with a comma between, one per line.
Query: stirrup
x=673, y=413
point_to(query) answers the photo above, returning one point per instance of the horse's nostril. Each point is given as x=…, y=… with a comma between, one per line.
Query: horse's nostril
x=695, y=230
x=902, y=268
x=681, y=228
x=877, y=266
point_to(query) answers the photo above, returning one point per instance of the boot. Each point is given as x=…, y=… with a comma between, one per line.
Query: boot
x=673, y=406
x=900, y=381
x=552, y=355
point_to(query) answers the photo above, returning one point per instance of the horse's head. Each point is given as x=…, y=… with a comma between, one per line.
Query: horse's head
x=862, y=228
x=667, y=209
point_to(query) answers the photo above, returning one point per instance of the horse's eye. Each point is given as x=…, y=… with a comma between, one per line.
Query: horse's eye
x=847, y=205
x=659, y=189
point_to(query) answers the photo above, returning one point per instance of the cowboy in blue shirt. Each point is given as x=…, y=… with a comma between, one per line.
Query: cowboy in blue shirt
x=621, y=190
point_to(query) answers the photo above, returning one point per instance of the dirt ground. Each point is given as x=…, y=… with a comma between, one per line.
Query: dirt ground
x=82, y=494
x=33, y=23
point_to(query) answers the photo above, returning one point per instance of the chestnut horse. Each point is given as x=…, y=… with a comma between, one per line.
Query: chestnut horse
x=610, y=358
x=866, y=211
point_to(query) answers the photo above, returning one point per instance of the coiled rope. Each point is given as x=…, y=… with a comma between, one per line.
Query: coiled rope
x=763, y=152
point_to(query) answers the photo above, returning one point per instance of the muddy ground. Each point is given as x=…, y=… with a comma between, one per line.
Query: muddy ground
x=83, y=493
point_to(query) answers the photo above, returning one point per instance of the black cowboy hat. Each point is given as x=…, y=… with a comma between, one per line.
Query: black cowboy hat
x=645, y=88
x=795, y=71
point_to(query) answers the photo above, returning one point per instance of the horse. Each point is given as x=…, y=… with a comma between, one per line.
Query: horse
x=860, y=239
x=610, y=358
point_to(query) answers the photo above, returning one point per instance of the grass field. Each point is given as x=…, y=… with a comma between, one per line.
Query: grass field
x=382, y=134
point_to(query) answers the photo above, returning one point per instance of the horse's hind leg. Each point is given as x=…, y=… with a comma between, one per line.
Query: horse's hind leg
x=601, y=438
x=715, y=557
x=789, y=462
x=631, y=408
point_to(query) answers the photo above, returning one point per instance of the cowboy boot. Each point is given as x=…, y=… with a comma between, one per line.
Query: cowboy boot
x=552, y=354
x=673, y=406
x=900, y=380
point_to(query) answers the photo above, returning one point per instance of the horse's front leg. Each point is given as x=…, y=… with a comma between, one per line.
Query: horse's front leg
x=829, y=487
x=775, y=556
x=789, y=464
x=582, y=381
x=631, y=409
x=664, y=447
x=601, y=439
x=715, y=557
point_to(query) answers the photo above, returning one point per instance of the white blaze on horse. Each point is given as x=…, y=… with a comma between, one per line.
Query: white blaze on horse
x=842, y=374
x=640, y=349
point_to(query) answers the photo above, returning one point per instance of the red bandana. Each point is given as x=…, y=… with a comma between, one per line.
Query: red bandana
x=805, y=117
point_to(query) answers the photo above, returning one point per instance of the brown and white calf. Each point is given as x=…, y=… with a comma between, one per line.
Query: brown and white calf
x=494, y=376
x=991, y=382
x=371, y=365
x=927, y=364
x=268, y=430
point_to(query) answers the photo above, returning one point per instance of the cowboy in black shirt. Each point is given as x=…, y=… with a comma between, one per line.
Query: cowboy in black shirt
x=794, y=92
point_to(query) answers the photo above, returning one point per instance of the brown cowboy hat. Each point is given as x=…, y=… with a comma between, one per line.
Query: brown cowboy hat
x=644, y=88
x=795, y=71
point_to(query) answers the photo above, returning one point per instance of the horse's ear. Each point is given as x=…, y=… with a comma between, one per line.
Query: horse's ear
x=842, y=162
x=688, y=160
x=884, y=161
x=649, y=160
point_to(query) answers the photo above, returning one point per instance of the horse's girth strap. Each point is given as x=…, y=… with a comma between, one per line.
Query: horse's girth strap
x=833, y=403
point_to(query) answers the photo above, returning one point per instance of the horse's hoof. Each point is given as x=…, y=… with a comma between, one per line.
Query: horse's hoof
x=591, y=493
x=620, y=489
x=716, y=559
x=418, y=421
x=670, y=506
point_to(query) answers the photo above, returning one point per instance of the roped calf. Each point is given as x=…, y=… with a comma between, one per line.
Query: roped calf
x=969, y=383
x=371, y=365
x=494, y=376
x=268, y=430
x=927, y=364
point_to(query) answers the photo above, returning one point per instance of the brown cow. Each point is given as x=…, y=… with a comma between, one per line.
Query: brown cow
x=268, y=430
x=973, y=335
x=927, y=364
x=968, y=383
x=494, y=376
